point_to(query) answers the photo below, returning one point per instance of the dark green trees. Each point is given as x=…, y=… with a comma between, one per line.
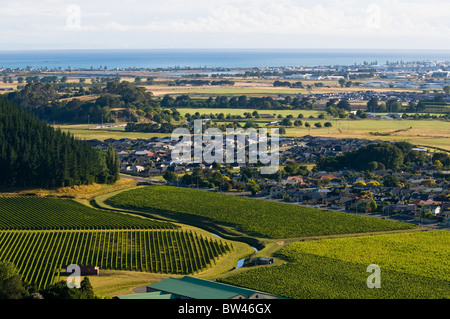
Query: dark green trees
x=60, y=290
x=11, y=286
x=386, y=155
x=33, y=154
x=113, y=165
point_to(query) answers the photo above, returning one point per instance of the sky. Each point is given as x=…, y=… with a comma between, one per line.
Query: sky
x=171, y=24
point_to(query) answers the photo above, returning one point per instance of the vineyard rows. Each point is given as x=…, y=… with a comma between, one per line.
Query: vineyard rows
x=34, y=213
x=40, y=255
x=412, y=265
x=265, y=218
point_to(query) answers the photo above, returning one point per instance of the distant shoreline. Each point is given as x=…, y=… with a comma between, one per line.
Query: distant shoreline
x=209, y=58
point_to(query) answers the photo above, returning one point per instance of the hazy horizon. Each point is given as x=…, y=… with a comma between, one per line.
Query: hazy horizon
x=235, y=49
x=233, y=24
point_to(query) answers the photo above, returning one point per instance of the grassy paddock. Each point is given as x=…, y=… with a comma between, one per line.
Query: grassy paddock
x=423, y=132
x=284, y=113
x=433, y=133
x=414, y=265
x=82, y=192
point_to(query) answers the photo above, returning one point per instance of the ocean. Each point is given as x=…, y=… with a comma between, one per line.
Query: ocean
x=212, y=58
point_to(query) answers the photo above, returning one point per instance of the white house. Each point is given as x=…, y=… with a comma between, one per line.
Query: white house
x=135, y=168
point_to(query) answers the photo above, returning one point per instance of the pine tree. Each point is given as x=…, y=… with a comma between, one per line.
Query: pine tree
x=33, y=154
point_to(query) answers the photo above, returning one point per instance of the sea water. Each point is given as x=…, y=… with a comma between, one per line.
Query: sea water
x=204, y=58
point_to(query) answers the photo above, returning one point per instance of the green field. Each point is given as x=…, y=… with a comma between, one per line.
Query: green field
x=83, y=133
x=43, y=235
x=252, y=216
x=39, y=256
x=228, y=91
x=232, y=111
x=433, y=133
x=35, y=213
x=413, y=265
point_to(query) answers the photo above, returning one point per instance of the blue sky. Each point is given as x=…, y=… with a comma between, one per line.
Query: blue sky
x=100, y=24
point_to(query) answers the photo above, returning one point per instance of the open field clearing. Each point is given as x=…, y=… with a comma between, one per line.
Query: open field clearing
x=226, y=90
x=412, y=265
x=78, y=192
x=251, y=85
x=432, y=133
x=255, y=217
x=83, y=133
x=231, y=111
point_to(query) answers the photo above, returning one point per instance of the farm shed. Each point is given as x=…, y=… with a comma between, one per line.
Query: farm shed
x=89, y=270
x=260, y=261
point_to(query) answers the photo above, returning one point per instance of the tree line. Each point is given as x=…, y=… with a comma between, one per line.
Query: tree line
x=44, y=100
x=33, y=154
x=201, y=82
x=242, y=101
x=12, y=287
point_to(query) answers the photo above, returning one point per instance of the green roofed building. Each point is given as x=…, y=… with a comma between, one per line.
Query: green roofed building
x=148, y=295
x=193, y=288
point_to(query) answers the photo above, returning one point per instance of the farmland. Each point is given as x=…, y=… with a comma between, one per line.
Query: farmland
x=413, y=265
x=433, y=133
x=40, y=255
x=33, y=213
x=237, y=111
x=41, y=236
x=258, y=217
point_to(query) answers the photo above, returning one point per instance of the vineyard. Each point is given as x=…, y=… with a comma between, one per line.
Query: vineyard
x=34, y=213
x=40, y=255
x=41, y=236
x=413, y=265
x=264, y=218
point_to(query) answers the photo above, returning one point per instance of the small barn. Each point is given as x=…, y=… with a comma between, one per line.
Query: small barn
x=89, y=270
x=260, y=261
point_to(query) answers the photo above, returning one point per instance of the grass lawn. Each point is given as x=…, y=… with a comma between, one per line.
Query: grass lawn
x=225, y=111
x=86, y=134
x=433, y=133
x=82, y=192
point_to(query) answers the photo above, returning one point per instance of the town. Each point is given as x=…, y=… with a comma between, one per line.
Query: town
x=415, y=193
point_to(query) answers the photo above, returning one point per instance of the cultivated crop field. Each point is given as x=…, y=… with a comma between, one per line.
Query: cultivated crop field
x=50, y=213
x=259, y=217
x=413, y=265
x=41, y=236
x=40, y=255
